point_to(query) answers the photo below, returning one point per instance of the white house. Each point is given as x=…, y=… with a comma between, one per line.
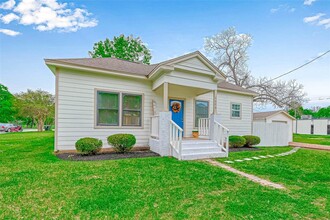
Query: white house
x=275, y=128
x=161, y=104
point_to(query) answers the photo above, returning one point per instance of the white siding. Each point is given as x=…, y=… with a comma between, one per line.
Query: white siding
x=281, y=117
x=196, y=64
x=242, y=126
x=76, y=106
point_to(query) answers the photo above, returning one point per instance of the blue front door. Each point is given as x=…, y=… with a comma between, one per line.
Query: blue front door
x=177, y=109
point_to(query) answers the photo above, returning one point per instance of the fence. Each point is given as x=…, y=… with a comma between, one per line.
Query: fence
x=312, y=126
x=271, y=134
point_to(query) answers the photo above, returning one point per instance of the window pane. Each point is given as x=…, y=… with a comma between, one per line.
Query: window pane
x=132, y=118
x=236, y=114
x=108, y=100
x=236, y=107
x=132, y=102
x=236, y=110
x=201, y=111
x=108, y=117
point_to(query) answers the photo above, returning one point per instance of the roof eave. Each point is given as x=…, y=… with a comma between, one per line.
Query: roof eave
x=50, y=62
x=238, y=92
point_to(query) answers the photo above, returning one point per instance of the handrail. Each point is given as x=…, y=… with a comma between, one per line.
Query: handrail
x=176, y=138
x=221, y=125
x=176, y=125
x=221, y=136
x=204, y=126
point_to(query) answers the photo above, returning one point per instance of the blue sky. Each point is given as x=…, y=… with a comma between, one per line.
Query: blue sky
x=285, y=34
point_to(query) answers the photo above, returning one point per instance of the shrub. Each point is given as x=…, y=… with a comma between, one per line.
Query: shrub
x=251, y=140
x=88, y=146
x=236, y=141
x=122, y=142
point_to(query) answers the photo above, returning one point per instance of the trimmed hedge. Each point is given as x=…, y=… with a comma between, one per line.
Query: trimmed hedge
x=236, y=141
x=251, y=140
x=122, y=142
x=88, y=146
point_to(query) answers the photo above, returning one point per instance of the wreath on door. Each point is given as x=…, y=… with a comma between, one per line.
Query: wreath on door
x=176, y=106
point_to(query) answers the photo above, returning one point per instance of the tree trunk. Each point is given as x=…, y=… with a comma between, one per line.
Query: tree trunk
x=40, y=125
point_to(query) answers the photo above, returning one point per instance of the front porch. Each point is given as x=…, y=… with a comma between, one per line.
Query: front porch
x=166, y=138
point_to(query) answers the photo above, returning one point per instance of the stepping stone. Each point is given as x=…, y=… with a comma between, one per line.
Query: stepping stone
x=262, y=156
x=239, y=160
x=256, y=158
x=229, y=161
x=247, y=159
x=269, y=156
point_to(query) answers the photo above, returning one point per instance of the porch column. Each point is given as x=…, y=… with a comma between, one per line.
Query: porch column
x=215, y=102
x=165, y=96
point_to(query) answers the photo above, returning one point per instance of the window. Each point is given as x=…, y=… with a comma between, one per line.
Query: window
x=132, y=108
x=201, y=110
x=112, y=106
x=236, y=110
x=107, y=108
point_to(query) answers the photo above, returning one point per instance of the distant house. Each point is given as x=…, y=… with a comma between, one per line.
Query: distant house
x=161, y=104
x=275, y=128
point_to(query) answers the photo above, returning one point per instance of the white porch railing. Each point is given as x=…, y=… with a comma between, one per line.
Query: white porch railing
x=221, y=136
x=154, y=127
x=176, y=139
x=204, y=127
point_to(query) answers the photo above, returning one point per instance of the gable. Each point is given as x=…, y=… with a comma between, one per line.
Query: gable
x=195, y=64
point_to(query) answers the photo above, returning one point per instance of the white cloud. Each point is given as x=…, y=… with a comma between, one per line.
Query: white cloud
x=325, y=23
x=313, y=18
x=9, y=32
x=318, y=20
x=7, y=5
x=285, y=8
x=309, y=2
x=47, y=15
x=9, y=18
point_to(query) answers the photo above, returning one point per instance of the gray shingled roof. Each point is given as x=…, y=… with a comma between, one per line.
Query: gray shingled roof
x=232, y=87
x=110, y=64
x=264, y=115
x=134, y=68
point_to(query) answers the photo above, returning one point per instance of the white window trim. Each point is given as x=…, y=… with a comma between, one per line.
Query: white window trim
x=120, y=126
x=208, y=106
x=231, y=110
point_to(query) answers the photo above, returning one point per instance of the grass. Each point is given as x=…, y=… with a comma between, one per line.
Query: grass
x=312, y=139
x=35, y=184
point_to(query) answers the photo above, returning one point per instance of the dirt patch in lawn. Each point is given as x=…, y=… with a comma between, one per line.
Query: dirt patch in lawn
x=106, y=156
x=243, y=149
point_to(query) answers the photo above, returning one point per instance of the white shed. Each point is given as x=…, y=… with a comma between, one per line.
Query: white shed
x=275, y=128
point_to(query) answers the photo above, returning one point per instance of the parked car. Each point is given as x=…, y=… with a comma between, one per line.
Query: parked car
x=15, y=129
x=6, y=127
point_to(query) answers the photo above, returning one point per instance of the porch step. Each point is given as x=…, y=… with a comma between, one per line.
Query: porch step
x=191, y=150
x=200, y=149
x=205, y=155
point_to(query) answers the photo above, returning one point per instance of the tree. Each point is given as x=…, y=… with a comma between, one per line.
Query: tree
x=229, y=52
x=7, y=109
x=126, y=48
x=321, y=113
x=38, y=105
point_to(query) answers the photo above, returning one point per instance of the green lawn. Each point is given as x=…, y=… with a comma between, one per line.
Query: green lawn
x=35, y=184
x=312, y=139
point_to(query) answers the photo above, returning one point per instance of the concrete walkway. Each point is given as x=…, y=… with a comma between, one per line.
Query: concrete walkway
x=246, y=175
x=310, y=146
